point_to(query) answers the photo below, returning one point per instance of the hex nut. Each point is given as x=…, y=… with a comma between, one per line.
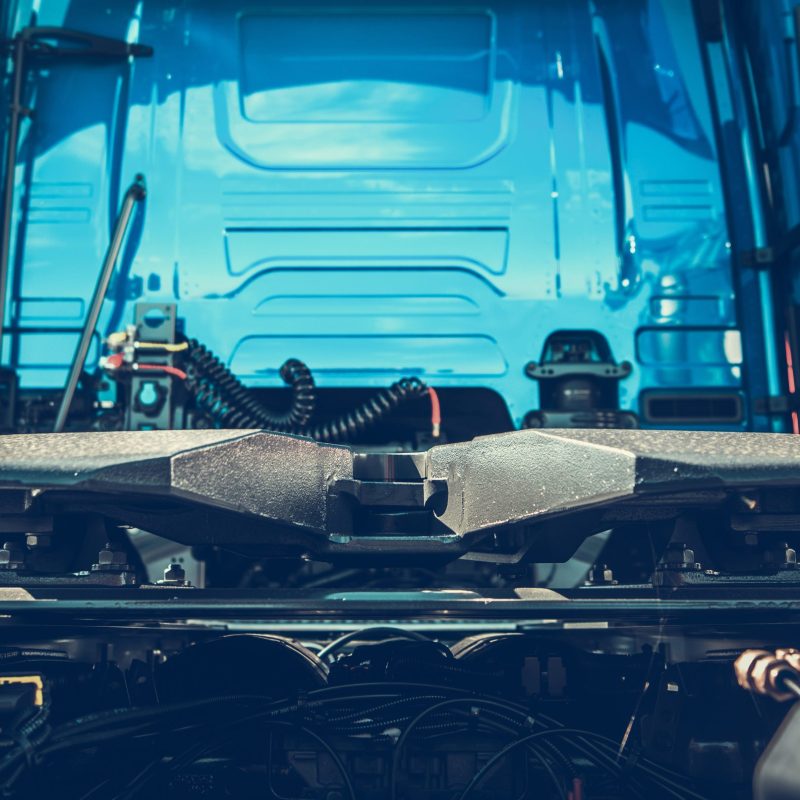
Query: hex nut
x=110, y=560
x=11, y=556
x=39, y=539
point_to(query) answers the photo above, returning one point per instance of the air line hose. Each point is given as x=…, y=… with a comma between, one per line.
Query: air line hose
x=220, y=395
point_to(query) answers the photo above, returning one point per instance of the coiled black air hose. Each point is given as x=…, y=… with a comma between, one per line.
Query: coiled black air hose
x=369, y=413
x=219, y=394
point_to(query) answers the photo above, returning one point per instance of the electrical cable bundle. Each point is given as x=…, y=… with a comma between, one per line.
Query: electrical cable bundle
x=220, y=395
x=161, y=742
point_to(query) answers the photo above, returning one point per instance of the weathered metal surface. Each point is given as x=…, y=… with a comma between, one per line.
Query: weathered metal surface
x=286, y=491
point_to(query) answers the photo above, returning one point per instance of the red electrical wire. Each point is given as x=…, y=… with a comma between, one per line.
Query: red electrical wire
x=174, y=371
x=117, y=360
x=436, y=413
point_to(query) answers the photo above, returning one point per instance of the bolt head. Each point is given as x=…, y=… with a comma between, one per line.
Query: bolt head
x=174, y=575
x=682, y=555
x=174, y=571
x=782, y=555
x=39, y=539
x=109, y=560
x=11, y=556
x=600, y=574
x=111, y=557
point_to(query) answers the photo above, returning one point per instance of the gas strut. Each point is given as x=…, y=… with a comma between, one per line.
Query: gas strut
x=135, y=194
x=50, y=43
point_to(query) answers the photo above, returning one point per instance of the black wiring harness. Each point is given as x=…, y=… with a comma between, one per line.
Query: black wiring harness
x=162, y=741
x=221, y=396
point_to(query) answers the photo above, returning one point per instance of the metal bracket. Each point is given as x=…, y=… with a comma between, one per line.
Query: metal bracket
x=155, y=322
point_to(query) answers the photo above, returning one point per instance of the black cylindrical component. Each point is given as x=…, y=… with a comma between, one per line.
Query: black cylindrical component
x=135, y=193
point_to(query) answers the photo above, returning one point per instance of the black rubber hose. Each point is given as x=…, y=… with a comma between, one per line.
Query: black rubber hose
x=219, y=394
x=368, y=414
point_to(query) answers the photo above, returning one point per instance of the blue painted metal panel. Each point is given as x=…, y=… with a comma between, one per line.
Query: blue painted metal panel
x=384, y=189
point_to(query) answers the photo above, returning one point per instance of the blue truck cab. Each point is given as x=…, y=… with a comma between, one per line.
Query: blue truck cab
x=564, y=213
x=286, y=287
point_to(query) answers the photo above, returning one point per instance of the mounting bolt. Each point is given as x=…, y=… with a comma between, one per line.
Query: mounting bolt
x=781, y=556
x=33, y=540
x=111, y=560
x=601, y=575
x=12, y=556
x=174, y=575
x=679, y=556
